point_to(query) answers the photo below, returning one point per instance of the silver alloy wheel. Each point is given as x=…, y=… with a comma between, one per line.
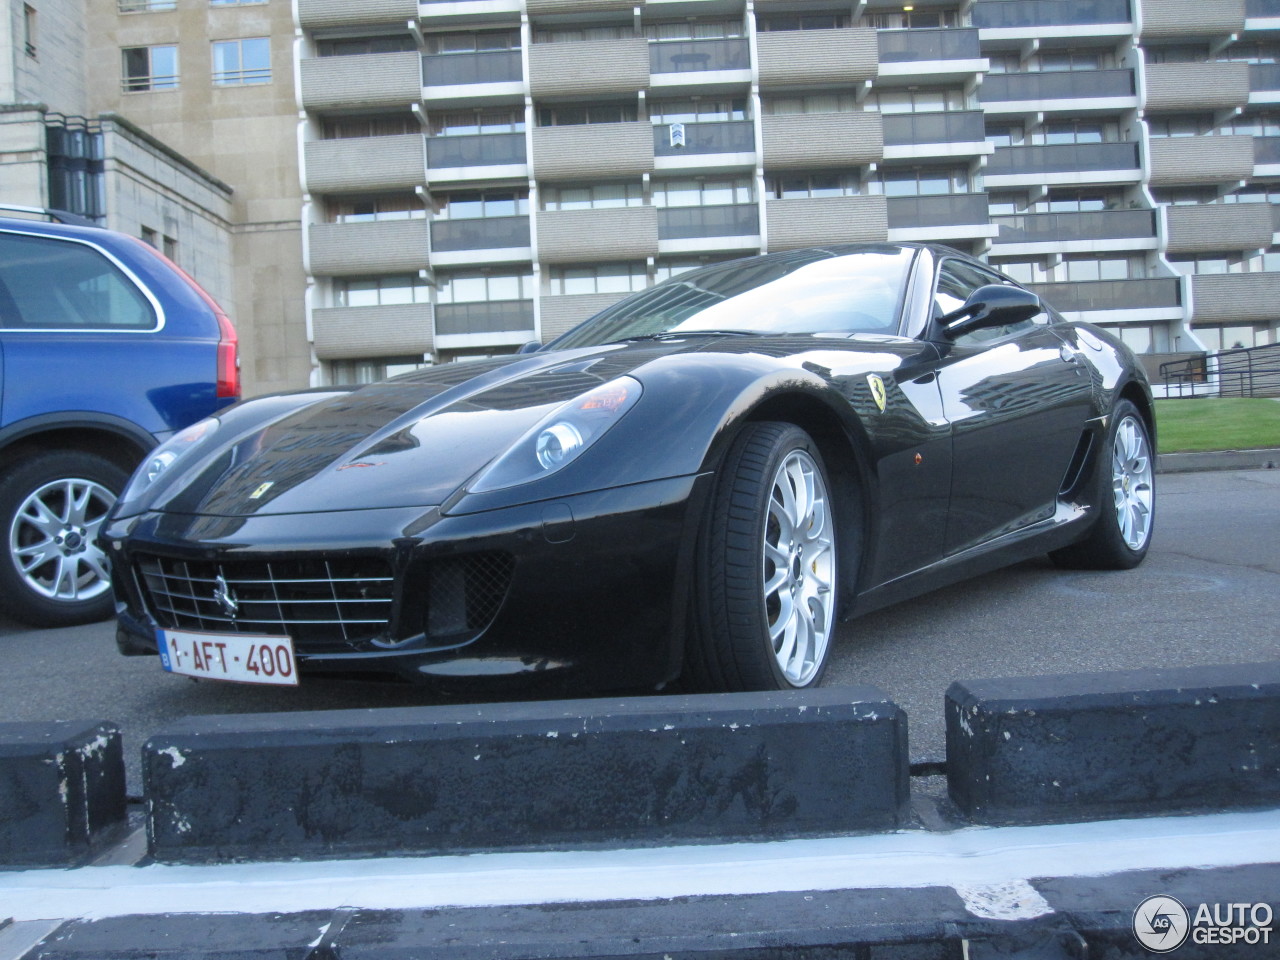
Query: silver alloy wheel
x=1131, y=473
x=799, y=568
x=53, y=540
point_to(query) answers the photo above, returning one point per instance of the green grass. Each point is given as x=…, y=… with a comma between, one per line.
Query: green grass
x=1216, y=424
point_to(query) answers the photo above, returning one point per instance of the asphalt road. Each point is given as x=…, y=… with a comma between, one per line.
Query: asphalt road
x=1209, y=592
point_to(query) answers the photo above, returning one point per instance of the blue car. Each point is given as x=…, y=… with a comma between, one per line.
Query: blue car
x=106, y=349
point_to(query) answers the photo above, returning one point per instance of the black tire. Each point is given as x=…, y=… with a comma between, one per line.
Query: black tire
x=742, y=591
x=66, y=583
x=1123, y=494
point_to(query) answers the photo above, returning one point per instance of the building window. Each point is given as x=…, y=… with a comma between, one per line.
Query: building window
x=1209, y=263
x=1082, y=201
x=915, y=19
x=920, y=181
x=702, y=192
x=1178, y=53
x=370, y=209
x=484, y=41
x=235, y=3
x=483, y=287
x=566, y=114
x=466, y=122
x=1083, y=268
x=29, y=29
x=922, y=100
x=472, y=205
x=695, y=30
x=601, y=278
x=802, y=21
x=581, y=34
x=846, y=102
x=386, y=125
x=1077, y=131
x=357, y=46
x=597, y=196
x=703, y=110
x=242, y=62
x=145, y=6
x=381, y=291
x=1057, y=61
x=1185, y=126
x=670, y=267
x=150, y=68
x=373, y=369
x=800, y=186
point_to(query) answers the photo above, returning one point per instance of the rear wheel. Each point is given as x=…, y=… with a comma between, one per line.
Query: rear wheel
x=1124, y=493
x=767, y=567
x=52, y=506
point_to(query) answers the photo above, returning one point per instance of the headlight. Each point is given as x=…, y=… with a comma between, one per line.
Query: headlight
x=561, y=437
x=163, y=457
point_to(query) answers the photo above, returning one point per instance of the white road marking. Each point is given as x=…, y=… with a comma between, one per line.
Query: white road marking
x=969, y=858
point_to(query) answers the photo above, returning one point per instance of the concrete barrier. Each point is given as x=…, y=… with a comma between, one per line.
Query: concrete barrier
x=526, y=775
x=1129, y=743
x=62, y=790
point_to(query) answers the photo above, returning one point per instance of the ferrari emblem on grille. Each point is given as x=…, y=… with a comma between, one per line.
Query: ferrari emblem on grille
x=877, y=391
x=223, y=597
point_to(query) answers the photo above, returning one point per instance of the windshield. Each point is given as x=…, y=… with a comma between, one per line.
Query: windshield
x=807, y=291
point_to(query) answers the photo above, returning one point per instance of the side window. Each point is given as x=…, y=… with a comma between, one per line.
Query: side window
x=50, y=284
x=956, y=281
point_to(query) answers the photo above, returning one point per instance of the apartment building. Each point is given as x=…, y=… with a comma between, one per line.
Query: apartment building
x=483, y=173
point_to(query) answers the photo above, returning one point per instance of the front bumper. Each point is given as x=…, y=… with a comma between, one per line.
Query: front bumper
x=589, y=591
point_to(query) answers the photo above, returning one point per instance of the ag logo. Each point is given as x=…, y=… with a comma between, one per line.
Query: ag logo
x=877, y=391
x=1161, y=924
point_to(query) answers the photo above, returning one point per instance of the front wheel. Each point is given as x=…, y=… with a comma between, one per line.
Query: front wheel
x=52, y=505
x=767, y=577
x=1124, y=496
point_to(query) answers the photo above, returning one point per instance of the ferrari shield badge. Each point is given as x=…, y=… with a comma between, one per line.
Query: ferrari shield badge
x=877, y=391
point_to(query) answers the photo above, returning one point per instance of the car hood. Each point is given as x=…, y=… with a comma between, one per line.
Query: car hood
x=413, y=441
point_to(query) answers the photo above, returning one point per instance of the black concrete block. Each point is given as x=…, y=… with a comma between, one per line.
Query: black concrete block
x=62, y=790
x=1129, y=743
x=526, y=775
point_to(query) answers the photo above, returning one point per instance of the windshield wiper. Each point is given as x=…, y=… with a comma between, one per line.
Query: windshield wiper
x=683, y=334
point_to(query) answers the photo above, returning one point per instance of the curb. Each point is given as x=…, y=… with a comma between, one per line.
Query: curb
x=1265, y=458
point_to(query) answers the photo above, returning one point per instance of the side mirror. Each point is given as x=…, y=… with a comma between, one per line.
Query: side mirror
x=530, y=347
x=995, y=305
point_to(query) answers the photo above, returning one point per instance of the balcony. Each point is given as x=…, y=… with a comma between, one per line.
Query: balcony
x=1235, y=297
x=918, y=135
x=489, y=316
x=947, y=54
x=1262, y=9
x=1201, y=160
x=476, y=156
x=1220, y=226
x=1194, y=87
x=364, y=81
x=1064, y=164
x=1266, y=153
x=1191, y=19
x=1162, y=295
x=472, y=78
x=820, y=220
x=352, y=333
x=600, y=66
x=817, y=56
x=610, y=233
x=817, y=140
x=364, y=249
x=733, y=142
x=583, y=151
x=484, y=239
x=696, y=63
x=365, y=164
x=563, y=313
x=316, y=14
x=1089, y=231
x=1018, y=18
x=1264, y=82
x=732, y=226
x=960, y=216
x=1023, y=92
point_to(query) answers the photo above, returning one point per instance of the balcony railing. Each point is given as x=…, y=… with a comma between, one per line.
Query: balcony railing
x=732, y=136
x=1112, y=294
x=1090, y=225
x=695, y=56
x=1064, y=85
x=1266, y=150
x=902, y=46
x=912, y=128
x=476, y=150
x=1063, y=158
x=1264, y=76
x=1262, y=8
x=453, y=69
x=689, y=223
x=482, y=233
x=1049, y=13
x=490, y=316
x=948, y=210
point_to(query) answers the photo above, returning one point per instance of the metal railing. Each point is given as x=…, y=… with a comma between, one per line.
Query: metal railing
x=1245, y=372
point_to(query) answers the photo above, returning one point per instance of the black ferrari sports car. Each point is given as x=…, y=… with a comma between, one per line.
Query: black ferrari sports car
x=698, y=481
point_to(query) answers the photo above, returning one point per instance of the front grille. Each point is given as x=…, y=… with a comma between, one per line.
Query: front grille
x=311, y=600
x=466, y=593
